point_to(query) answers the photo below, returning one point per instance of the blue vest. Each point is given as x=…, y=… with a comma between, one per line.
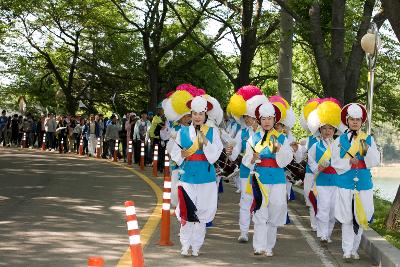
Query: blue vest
x=324, y=179
x=269, y=175
x=364, y=175
x=311, y=140
x=244, y=171
x=196, y=172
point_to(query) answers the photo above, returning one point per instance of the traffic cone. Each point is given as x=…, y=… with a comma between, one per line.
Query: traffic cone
x=44, y=142
x=130, y=152
x=81, y=146
x=98, y=148
x=116, y=151
x=165, y=233
x=166, y=166
x=134, y=235
x=95, y=261
x=155, y=160
x=23, y=141
x=61, y=145
x=142, y=156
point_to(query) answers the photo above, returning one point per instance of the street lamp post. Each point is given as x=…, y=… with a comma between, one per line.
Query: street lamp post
x=370, y=43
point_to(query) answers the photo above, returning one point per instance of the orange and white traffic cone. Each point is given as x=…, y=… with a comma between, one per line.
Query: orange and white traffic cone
x=44, y=142
x=95, y=261
x=165, y=233
x=61, y=145
x=23, y=141
x=142, y=156
x=134, y=235
x=155, y=160
x=130, y=152
x=81, y=146
x=116, y=148
x=166, y=166
x=98, y=148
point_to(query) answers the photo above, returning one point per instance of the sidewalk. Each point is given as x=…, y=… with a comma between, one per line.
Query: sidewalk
x=296, y=244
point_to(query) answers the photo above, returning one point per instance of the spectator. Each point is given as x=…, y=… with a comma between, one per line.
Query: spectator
x=77, y=133
x=14, y=130
x=93, y=134
x=50, y=128
x=62, y=134
x=112, y=134
x=27, y=129
x=3, y=124
x=8, y=132
x=141, y=134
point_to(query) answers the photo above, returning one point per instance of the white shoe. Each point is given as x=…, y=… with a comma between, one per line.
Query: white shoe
x=355, y=256
x=329, y=240
x=269, y=253
x=259, y=252
x=185, y=252
x=314, y=229
x=237, y=191
x=195, y=253
x=347, y=257
x=243, y=238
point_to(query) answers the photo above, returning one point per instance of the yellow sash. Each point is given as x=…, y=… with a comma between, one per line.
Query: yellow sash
x=355, y=146
x=360, y=212
x=249, y=188
x=195, y=146
x=325, y=157
x=259, y=147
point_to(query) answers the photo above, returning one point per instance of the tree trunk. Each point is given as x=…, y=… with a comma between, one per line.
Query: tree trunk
x=285, y=56
x=392, y=11
x=70, y=104
x=154, y=85
x=337, y=60
x=393, y=220
x=248, y=44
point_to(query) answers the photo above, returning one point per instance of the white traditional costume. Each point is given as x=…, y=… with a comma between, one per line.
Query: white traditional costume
x=268, y=182
x=197, y=191
x=354, y=200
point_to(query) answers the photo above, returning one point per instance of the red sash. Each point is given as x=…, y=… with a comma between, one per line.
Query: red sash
x=329, y=170
x=268, y=163
x=359, y=165
x=197, y=157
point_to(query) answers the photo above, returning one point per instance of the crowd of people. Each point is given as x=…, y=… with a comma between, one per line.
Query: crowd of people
x=64, y=133
x=253, y=133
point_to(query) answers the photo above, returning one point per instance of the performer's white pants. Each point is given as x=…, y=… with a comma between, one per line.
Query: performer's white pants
x=326, y=210
x=269, y=217
x=204, y=197
x=308, y=185
x=92, y=144
x=350, y=241
x=174, y=187
x=245, y=204
x=344, y=214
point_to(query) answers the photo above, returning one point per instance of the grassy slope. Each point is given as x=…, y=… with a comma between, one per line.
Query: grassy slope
x=382, y=208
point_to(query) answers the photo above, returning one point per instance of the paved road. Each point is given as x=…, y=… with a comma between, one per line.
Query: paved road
x=58, y=210
x=297, y=245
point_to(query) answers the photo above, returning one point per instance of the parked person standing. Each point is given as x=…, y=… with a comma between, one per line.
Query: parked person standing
x=3, y=124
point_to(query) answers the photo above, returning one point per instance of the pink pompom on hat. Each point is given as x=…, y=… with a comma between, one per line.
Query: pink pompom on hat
x=189, y=88
x=248, y=91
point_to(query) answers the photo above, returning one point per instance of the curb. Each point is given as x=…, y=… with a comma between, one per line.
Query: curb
x=376, y=246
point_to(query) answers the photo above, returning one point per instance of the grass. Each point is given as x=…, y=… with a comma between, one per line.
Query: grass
x=382, y=208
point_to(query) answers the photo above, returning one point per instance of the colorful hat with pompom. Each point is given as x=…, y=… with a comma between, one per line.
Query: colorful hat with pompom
x=327, y=113
x=288, y=118
x=310, y=105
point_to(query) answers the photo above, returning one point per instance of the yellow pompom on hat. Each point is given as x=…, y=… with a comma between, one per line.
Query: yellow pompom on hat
x=311, y=105
x=236, y=106
x=327, y=113
x=178, y=100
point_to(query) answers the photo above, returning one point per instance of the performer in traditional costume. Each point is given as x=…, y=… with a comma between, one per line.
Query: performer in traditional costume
x=197, y=147
x=287, y=122
x=325, y=119
x=301, y=154
x=353, y=156
x=268, y=152
x=250, y=97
